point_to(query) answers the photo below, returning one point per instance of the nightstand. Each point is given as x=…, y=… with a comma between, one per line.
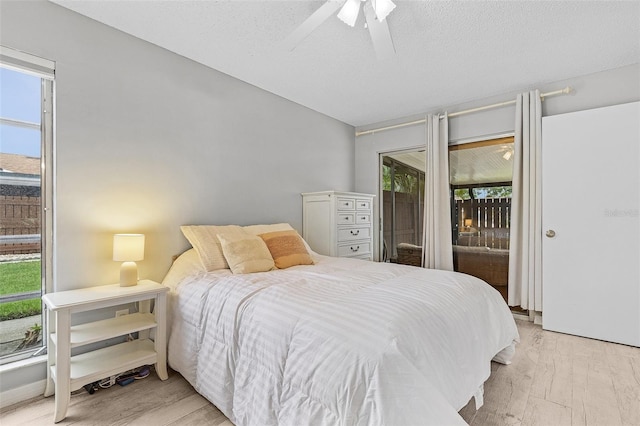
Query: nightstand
x=66, y=373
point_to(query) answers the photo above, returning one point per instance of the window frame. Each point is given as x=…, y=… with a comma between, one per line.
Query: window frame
x=45, y=70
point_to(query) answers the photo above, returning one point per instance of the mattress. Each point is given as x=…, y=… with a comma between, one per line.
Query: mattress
x=343, y=341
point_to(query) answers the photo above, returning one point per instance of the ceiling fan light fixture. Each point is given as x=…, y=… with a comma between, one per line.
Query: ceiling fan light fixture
x=349, y=12
x=382, y=8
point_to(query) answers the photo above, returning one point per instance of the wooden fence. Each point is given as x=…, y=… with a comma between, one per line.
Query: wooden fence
x=19, y=224
x=486, y=213
x=490, y=222
x=408, y=220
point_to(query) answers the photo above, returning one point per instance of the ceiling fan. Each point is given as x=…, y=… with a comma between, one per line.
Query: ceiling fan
x=506, y=151
x=375, y=13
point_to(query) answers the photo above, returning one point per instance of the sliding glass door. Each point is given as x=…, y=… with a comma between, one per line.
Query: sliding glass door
x=402, y=201
x=481, y=174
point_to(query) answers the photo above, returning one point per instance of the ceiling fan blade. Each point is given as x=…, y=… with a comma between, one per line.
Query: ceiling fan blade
x=311, y=23
x=380, y=35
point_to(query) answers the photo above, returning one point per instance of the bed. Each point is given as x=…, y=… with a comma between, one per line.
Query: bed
x=341, y=341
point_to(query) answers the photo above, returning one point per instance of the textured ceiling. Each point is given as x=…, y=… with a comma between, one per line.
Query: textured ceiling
x=448, y=52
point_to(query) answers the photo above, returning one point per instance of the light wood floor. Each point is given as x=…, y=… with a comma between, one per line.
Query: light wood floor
x=554, y=380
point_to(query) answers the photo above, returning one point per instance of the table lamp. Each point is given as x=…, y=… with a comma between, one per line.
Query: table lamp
x=128, y=248
x=467, y=224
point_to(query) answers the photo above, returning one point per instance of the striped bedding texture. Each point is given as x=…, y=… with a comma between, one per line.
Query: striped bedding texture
x=341, y=342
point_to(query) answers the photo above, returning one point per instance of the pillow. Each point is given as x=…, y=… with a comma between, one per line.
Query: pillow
x=246, y=253
x=204, y=239
x=287, y=248
x=263, y=229
x=186, y=264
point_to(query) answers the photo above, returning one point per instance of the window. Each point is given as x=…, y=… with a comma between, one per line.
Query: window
x=480, y=176
x=26, y=147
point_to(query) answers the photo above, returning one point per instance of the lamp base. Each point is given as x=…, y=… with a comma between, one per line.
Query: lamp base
x=128, y=274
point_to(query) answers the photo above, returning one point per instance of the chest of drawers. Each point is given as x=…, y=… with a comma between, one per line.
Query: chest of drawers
x=338, y=224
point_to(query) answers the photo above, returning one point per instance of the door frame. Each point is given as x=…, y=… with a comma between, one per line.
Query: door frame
x=380, y=230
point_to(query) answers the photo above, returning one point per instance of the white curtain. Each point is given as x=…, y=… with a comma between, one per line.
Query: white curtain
x=525, y=255
x=437, y=249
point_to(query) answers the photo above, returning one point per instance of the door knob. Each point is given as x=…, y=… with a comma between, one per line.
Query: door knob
x=551, y=233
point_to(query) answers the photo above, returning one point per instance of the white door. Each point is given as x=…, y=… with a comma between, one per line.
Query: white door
x=591, y=223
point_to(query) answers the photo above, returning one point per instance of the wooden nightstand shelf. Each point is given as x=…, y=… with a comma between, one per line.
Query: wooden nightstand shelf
x=68, y=373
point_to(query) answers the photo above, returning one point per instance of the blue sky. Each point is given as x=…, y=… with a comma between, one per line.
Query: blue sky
x=19, y=100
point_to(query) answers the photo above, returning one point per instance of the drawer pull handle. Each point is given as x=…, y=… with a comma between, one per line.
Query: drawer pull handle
x=346, y=204
x=346, y=218
x=356, y=232
x=355, y=249
x=363, y=218
x=363, y=205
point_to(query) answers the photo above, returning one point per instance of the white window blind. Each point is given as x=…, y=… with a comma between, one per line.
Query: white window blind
x=25, y=62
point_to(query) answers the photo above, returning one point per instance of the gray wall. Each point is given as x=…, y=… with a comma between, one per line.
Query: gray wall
x=616, y=86
x=147, y=140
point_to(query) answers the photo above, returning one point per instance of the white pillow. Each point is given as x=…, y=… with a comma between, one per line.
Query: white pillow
x=204, y=238
x=186, y=264
x=264, y=229
x=246, y=254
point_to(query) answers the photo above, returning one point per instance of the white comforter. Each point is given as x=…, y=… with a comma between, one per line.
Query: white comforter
x=340, y=342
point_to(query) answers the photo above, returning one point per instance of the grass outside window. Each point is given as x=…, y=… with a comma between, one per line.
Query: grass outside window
x=20, y=277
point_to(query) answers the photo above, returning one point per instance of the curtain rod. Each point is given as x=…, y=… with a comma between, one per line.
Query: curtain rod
x=564, y=91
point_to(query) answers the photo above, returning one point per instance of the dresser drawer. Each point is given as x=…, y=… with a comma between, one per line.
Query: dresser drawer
x=346, y=219
x=363, y=204
x=363, y=218
x=355, y=249
x=352, y=234
x=346, y=204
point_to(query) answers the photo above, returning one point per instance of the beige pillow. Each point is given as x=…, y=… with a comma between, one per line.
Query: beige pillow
x=263, y=229
x=287, y=248
x=246, y=253
x=186, y=264
x=204, y=238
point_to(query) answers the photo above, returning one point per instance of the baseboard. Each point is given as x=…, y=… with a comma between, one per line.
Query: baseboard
x=531, y=316
x=22, y=393
x=520, y=316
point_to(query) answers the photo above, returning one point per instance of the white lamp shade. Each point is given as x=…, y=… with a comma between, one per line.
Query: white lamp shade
x=128, y=247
